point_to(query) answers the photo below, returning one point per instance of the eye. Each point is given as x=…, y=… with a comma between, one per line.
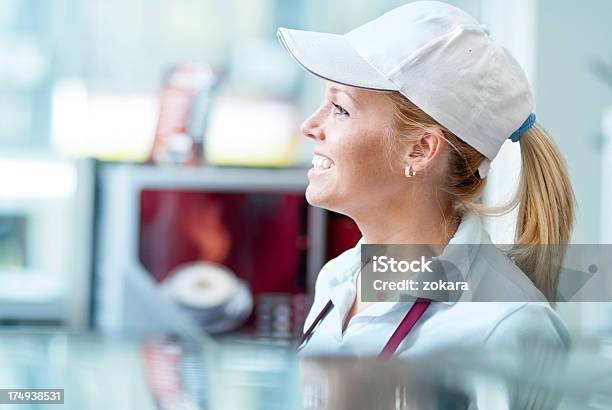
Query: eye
x=338, y=110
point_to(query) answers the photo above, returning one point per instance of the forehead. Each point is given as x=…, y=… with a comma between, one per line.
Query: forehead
x=358, y=95
x=334, y=88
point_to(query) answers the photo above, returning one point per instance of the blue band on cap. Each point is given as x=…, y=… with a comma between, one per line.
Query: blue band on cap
x=516, y=135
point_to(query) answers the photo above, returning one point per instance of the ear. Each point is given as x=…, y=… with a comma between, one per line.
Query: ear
x=426, y=149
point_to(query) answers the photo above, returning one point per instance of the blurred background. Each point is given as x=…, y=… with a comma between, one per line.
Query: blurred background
x=149, y=148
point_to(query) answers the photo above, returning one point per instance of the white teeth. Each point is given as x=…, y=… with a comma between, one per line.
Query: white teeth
x=320, y=162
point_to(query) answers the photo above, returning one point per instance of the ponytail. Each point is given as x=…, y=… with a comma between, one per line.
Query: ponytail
x=545, y=211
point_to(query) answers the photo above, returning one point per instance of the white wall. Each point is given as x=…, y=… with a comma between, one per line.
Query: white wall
x=571, y=99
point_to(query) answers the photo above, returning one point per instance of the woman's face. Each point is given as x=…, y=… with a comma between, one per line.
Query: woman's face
x=351, y=164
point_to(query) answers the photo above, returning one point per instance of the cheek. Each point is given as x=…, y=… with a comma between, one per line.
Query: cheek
x=364, y=163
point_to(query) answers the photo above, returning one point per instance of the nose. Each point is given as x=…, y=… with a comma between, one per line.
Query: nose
x=311, y=127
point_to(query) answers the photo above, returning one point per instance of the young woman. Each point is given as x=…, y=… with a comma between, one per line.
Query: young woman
x=417, y=104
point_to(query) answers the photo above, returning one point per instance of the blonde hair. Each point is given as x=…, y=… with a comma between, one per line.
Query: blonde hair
x=544, y=198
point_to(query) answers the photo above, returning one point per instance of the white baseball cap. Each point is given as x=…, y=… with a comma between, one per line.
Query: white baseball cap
x=440, y=58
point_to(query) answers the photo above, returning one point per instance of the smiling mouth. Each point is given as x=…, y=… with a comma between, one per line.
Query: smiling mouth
x=321, y=163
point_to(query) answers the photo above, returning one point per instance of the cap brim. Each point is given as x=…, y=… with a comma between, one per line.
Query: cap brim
x=332, y=58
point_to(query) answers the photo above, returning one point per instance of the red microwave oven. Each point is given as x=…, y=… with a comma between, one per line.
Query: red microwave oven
x=255, y=222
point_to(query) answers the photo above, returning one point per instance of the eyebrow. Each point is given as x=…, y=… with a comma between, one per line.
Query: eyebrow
x=337, y=90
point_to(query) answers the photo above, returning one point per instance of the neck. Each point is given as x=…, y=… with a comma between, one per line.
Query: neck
x=401, y=222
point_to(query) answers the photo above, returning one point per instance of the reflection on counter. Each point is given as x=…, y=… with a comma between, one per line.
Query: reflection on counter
x=172, y=373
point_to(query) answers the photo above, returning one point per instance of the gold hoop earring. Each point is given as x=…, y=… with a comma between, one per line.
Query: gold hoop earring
x=409, y=172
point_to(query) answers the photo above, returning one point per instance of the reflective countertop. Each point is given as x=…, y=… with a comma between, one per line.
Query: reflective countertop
x=238, y=372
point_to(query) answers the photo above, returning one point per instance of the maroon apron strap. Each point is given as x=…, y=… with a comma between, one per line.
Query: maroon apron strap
x=410, y=319
x=414, y=314
x=314, y=324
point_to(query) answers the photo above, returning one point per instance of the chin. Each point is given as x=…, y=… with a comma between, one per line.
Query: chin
x=323, y=200
x=317, y=197
x=314, y=198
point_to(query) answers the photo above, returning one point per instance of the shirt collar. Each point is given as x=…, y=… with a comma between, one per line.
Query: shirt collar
x=469, y=232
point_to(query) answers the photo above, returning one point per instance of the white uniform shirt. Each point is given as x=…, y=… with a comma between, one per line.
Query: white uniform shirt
x=445, y=325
